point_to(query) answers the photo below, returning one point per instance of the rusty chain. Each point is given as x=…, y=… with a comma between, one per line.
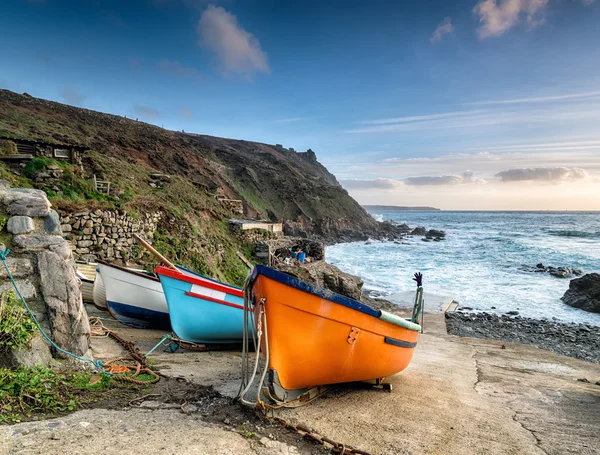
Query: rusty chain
x=135, y=354
x=305, y=432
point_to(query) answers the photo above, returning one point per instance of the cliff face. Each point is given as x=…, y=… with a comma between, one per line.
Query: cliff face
x=274, y=183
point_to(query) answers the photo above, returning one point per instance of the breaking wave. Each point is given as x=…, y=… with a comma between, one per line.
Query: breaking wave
x=377, y=216
x=579, y=234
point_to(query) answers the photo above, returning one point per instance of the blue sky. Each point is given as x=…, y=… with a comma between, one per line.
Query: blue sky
x=467, y=104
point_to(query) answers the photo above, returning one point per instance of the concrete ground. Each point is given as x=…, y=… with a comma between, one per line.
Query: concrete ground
x=458, y=396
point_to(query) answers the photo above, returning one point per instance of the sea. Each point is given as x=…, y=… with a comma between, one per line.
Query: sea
x=481, y=262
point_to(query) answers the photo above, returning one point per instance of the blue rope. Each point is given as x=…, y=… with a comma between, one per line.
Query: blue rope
x=97, y=364
x=162, y=340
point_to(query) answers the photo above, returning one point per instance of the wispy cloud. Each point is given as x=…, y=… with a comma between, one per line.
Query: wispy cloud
x=392, y=184
x=380, y=184
x=72, y=95
x=174, y=68
x=237, y=50
x=497, y=16
x=417, y=118
x=186, y=112
x=442, y=29
x=543, y=174
x=575, y=114
x=292, y=119
x=539, y=99
x=146, y=112
x=466, y=177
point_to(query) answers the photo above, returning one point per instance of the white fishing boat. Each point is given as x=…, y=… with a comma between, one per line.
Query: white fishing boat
x=99, y=293
x=135, y=298
x=86, y=272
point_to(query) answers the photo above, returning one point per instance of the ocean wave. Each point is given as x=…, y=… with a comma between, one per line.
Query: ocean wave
x=580, y=234
x=377, y=216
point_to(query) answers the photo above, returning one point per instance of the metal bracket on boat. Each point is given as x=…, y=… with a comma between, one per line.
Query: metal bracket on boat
x=353, y=335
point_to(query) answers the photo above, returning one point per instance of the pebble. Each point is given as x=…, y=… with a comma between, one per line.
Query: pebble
x=581, y=341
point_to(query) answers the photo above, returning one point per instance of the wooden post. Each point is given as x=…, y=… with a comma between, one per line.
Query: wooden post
x=156, y=254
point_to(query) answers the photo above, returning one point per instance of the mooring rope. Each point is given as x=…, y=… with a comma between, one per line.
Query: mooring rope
x=141, y=361
x=4, y=252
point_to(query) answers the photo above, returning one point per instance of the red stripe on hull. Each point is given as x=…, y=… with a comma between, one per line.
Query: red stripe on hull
x=199, y=281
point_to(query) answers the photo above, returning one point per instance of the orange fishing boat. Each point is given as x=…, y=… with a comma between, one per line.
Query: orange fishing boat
x=313, y=337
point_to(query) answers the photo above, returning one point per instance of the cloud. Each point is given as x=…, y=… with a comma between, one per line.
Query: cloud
x=71, y=95
x=539, y=115
x=466, y=177
x=442, y=29
x=146, y=112
x=237, y=50
x=539, y=99
x=174, y=68
x=186, y=112
x=293, y=119
x=497, y=16
x=543, y=174
x=380, y=184
x=391, y=184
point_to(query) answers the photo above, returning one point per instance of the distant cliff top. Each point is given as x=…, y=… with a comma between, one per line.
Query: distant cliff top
x=396, y=208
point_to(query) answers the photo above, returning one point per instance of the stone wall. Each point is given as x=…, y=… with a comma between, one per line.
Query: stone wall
x=42, y=264
x=107, y=235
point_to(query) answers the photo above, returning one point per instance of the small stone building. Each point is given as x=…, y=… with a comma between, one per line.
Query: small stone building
x=15, y=149
x=246, y=225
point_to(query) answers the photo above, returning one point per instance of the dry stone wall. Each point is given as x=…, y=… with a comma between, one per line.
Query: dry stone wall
x=106, y=234
x=43, y=266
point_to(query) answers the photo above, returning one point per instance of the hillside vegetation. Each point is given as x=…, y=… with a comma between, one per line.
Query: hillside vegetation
x=275, y=183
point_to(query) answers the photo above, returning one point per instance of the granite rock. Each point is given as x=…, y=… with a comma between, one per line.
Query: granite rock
x=20, y=225
x=52, y=223
x=60, y=288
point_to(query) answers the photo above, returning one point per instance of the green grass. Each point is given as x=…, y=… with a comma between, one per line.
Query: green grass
x=16, y=326
x=27, y=391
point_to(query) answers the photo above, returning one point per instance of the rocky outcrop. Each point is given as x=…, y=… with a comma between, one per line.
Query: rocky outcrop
x=42, y=264
x=558, y=272
x=584, y=293
x=60, y=289
x=327, y=276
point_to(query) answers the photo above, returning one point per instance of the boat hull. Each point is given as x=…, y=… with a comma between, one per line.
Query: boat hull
x=99, y=293
x=314, y=340
x=203, y=311
x=134, y=299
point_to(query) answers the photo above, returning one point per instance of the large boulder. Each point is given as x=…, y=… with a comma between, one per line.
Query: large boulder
x=60, y=289
x=324, y=275
x=584, y=293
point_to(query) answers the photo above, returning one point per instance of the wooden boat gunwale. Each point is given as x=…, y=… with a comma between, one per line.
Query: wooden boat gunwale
x=326, y=294
x=201, y=281
x=141, y=274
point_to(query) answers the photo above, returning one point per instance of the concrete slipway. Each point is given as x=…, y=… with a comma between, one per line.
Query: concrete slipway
x=459, y=396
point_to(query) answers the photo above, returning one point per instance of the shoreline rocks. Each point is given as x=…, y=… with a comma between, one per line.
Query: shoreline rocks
x=584, y=293
x=581, y=341
x=558, y=272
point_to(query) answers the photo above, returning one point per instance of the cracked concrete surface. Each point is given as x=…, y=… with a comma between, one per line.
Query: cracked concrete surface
x=458, y=396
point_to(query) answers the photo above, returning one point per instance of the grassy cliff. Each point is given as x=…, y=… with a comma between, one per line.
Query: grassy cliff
x=274, y=183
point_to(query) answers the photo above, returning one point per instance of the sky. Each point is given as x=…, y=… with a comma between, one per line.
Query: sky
x=465, y=105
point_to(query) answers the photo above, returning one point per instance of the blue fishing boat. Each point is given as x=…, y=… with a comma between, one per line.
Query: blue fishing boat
x=203, y=310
